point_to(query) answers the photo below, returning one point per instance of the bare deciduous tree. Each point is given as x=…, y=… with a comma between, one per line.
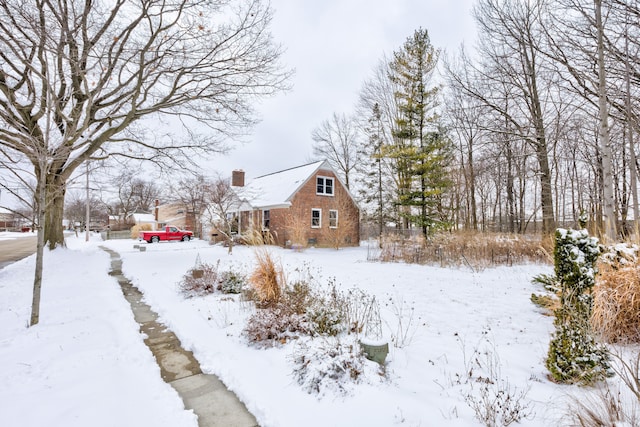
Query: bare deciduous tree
x=336, y=140
x=78, y=78
x=132, y=194
x=192, y=194
x=221, y=207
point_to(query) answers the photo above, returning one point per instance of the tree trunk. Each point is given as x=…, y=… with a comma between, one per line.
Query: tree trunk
x=546, y=190
x=472, y=191
x=609, y=216
x=632, y=150
x=53, y=229
x=37, y=279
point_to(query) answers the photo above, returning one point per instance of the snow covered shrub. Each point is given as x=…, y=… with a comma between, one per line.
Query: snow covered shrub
x=620, y=255
x=406, y=325
x=231, y=282
x=298, y=297
x=616, y=304
x=497, y=403
x=494, y=401
x=326, y=317
x=574, y=356
x=609, y=404
x=362, y=313
x=299, y=311
x=275, y=325
x=200, y=284
x=602, y=407
x=330, y=367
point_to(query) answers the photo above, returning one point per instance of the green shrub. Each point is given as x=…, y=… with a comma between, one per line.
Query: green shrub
x=326, y=318
x=574, y=356
x=231, y=282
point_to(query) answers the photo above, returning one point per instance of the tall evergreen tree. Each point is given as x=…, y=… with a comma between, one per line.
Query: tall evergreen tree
x=420, y=150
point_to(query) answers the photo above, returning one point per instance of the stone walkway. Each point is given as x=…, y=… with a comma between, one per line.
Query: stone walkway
x=205, y=394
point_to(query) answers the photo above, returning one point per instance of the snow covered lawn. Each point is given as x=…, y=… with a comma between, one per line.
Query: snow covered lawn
x=86, y=363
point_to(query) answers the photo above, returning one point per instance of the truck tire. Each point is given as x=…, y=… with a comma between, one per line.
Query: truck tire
x=186, y=238
x=155, y=239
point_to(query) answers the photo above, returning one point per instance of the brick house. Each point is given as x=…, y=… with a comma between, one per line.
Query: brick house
x=305, y=205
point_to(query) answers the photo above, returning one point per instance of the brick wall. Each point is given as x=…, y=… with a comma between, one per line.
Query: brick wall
x=348, y=215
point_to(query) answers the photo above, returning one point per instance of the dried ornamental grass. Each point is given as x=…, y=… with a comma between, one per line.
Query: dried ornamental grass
x=475, y=250
x=616, y=304
x=267, y=279
x=136, y=229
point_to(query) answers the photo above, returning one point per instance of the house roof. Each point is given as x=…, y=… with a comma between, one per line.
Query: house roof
x=276, y=189
x=141, y=217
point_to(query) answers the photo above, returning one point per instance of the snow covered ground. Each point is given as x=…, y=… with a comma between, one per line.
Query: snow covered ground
x=86, y=363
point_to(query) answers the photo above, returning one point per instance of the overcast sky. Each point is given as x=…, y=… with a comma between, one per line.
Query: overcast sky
x=334, y=46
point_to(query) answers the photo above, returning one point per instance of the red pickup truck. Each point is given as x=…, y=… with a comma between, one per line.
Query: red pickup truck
x=169, y=233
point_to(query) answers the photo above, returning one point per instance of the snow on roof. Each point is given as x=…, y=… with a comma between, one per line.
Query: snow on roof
x=141, y=217
x=276, y=189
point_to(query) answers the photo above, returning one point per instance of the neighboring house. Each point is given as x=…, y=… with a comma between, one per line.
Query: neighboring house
x=175, y=214
x=306, y=205
x=7, y=220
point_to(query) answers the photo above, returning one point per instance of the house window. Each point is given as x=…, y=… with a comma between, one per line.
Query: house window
x=266, y=216
x=333, y=219
x=324, y=185
x=316, y=218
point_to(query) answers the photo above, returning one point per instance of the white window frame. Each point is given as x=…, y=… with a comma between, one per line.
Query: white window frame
x=335, y=219
x=265, y=226
x=323, y=190
x=319, y=218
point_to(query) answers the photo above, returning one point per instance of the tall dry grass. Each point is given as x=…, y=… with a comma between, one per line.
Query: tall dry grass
x=267, y=278
x=616, y=303
x=475, y=250
x=136, y=229
x=257, y=237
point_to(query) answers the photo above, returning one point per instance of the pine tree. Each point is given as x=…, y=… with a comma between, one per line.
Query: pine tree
x=421, y=150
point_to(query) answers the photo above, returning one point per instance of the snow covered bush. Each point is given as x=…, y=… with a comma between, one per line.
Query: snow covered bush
x=231, y=282
x=298, y=296
x=278, y=322
x=200, y=280
x=362, y=313
x=275, y=325
x=329, y=367
x=491, y=396
x=574, y=356
x=326, y=317
x=497, y=403
x=611, y=404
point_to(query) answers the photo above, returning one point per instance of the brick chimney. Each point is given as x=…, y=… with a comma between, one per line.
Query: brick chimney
x=237, y=178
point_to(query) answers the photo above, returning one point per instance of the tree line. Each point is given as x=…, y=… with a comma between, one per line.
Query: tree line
x=534, y=127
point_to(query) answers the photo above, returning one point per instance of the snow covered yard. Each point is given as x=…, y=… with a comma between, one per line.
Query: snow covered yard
x=86, y=363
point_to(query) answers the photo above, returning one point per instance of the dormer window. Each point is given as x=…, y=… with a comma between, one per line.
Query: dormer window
x=324, y=185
